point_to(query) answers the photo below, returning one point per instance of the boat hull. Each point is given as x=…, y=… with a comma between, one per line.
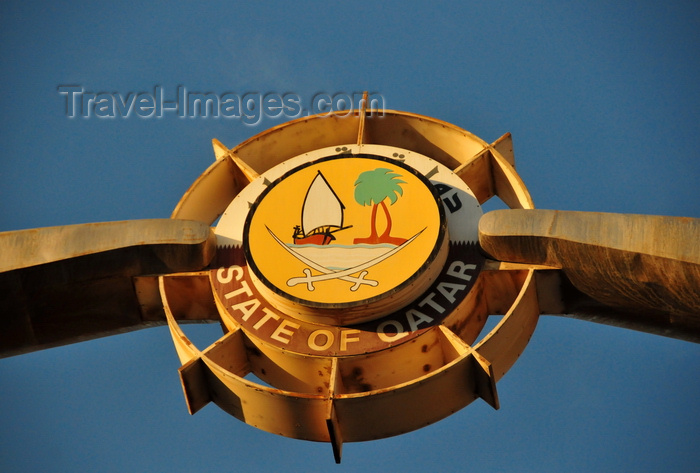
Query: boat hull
x=317, y=239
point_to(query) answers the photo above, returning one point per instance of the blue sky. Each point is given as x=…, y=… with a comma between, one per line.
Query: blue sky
x=603, y=103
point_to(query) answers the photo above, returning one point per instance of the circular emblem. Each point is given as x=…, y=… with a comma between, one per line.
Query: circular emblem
x=347, y=250
x=337, y=239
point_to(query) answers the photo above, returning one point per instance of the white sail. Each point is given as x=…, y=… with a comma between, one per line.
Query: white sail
x=322, y=207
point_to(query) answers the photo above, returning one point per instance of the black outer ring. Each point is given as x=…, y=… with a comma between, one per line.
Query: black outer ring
x=343, y=305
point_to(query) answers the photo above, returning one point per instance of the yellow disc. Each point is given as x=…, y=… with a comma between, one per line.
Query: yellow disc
x=343, y=237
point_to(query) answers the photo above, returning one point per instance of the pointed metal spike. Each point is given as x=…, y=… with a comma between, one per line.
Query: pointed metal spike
x=362, y=115
x=194, y=385
x=484, y=381
x=504, y=146
x=220, y=150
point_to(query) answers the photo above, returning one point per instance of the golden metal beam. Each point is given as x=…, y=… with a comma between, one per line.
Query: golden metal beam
x=61, y=285
x=638, y=271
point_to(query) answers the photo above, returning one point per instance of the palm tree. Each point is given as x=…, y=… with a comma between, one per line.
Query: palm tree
x=373, y=188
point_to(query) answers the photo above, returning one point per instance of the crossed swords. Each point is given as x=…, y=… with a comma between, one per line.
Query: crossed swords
x=346, y=274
